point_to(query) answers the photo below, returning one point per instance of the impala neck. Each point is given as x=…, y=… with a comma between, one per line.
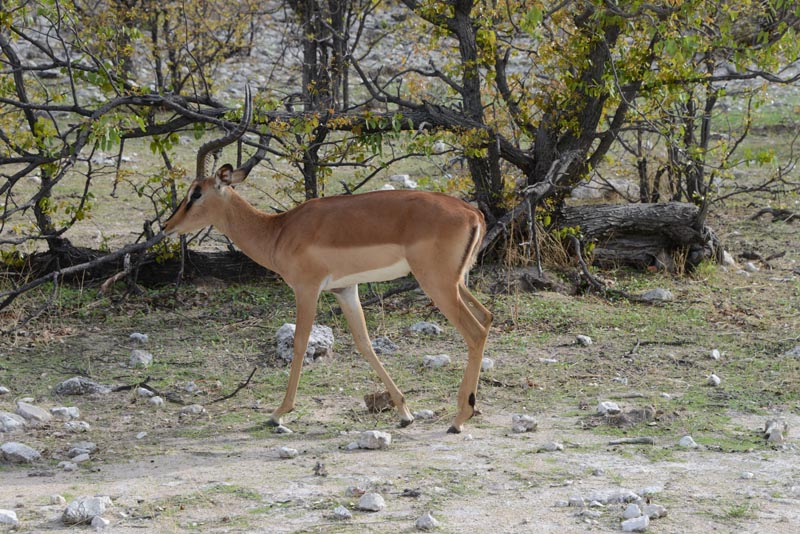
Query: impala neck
x=252, y=230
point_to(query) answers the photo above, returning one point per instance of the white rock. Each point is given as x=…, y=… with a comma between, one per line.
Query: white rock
x=140, y=358
x=424, y=414
x=688, y=442
x=607, y=407
x=352, y=446
x=654, y=511
x=10, y=422
x=8, y=517
x=383, y=345
x=4, y=390
x=85, y=509
x=287, y=452
x=340, y=512
x=427, y=328
x=320, y=342
x=193, y=409
x=32, y=414
x=426, y=522
x=18, y=453
x=548, y=360
x=57, y=499
x=100, y=523
x=156, y=401
x=713, y=380
x=715, y=354
x=374, y=439
x=666, y=396
x=584, y=341
x=437, y=361
x=79, y=385
x=66, y=412
x=487, y=364
x=552, y=446
x=77, y=426
x=727, y=259
x=746, y=475
x=632, y=511
x=576, y=501
x=81, y=458
x=387, y=187
x=637, y=524
x=792, y=353
x=751, y=267
x=68, y=466
x=657, y=295
x=144, y=393
x=616, y=496
x=371, y=502
x=141, y=435
x=84, y=446
x=523, y=423
x=138, y=337
x=191, y=388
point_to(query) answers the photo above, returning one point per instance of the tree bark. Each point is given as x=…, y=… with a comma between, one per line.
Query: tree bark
x=642, y=235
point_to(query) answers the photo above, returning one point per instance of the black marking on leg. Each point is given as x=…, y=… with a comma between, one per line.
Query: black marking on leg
x=472, y=400
x=453, y=430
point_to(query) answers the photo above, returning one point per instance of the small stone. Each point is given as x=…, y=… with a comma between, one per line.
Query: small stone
x=426, y=522
x=57, y=499
x=66, y=412
x=576, y=501
x=85, y=509
x=352, y=446
x=141, y=435
x=424, y=414
x=371, y=502
x=32, y=414
x=715, y=354
x=548, y=360
x=617, y=496
x=591, y=514
x=727, y=259
x=354, y=491
x=77, y=426
x=100, y=523
x=384, y=346
x=713, y=380
x=552, y=446
x=792, y=353
x=191, y=388
x=138, y=337
x=144, y=393
x=583, y=341
x=688, y=443
x=657, y=295
x=156, y=401
x=650, y=491
x=140, y=358
x=637, y=524
x=654, y=511
x=68, y=466
x=287, y=452
x=11, y=422
x=320, y=342
x=437, y=361
x=751, y=267
x=632, y=511
x=193, y=409
x=487, y=364
x=81, y=458
x=8, y=517
x=4, y=390
x=427, y=328
x=607, y=408
x=79, y=385
x=665, y=396
x=523, y=423
x=374, y=439
x=342, y=513
x=18, y=453
x=280, y=429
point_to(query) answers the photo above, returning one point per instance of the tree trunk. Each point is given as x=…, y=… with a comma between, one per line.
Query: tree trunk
x=665, y=236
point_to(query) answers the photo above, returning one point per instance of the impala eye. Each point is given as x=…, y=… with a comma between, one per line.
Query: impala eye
x=197, y=193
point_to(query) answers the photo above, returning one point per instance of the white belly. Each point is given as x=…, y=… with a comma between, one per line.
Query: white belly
x=382, y=274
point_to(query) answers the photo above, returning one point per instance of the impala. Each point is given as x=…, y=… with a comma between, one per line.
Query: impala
x=335, y=243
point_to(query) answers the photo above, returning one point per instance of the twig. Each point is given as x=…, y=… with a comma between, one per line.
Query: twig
x=242, y=385
x=143, y=384
x=633, y=441
x=597, y=284
x=9, y=296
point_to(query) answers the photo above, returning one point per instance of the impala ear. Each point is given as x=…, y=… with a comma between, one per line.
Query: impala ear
x=227, y=176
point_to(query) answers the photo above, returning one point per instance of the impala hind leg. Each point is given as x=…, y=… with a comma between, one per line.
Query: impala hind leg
x=306, y=310
x=474, y=327
x=351, y=306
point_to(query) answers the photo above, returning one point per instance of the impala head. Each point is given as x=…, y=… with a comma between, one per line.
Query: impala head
x=204, y=202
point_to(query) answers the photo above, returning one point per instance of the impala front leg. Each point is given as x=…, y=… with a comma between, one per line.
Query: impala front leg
x=306, y=310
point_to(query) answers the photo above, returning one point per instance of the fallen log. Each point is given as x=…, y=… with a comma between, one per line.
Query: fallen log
x=669, y=235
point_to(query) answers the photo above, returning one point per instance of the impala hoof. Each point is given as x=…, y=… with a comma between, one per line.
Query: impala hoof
x=273, y=422
x=405, y=422
x=454, y=430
